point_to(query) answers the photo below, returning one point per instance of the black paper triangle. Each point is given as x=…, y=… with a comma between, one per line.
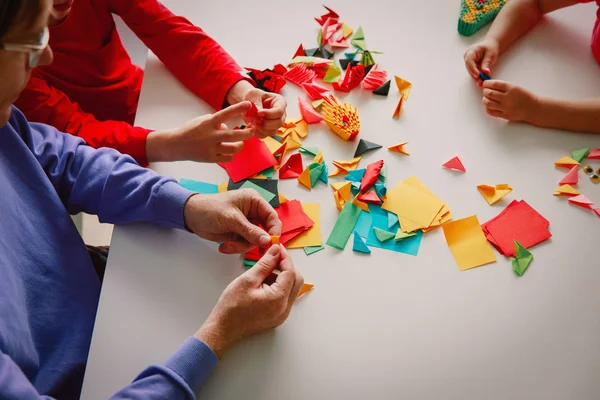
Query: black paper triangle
x=383, y=90
x=365, y=146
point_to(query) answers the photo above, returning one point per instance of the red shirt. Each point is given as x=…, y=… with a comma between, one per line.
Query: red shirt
x=92, y=88
x=595, y=42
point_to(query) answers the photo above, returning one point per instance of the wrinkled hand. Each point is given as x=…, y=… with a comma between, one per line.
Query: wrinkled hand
x=504, y=100
x=232, y=218
x=249, y=305
x=481, y=57
x=203, y=139
x=271, y=112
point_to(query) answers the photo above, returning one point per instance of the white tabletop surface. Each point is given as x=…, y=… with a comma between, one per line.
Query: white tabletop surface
x=388, y=325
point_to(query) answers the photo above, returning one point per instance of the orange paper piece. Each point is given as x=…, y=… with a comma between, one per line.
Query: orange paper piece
x=468, y=243
x=309, y=114
x=582, y=201
x=318, y=158
x=343, y=166
x=347, y=31
x=297, y=128
x=306, y=287
x=272, y=144
x=454, y=164
x=493, y=194
x=566, y=190
x=360, y=204
x=275, y=239
x=572, y=177
x=292, y=144
x=566, y=162
x=292, y=167
x=254, y=158
x=404, y=87
x=399, y=148
x=223, y=187
x=282, y=198
x=304, y=178
x=341, y=118
x=342, y=193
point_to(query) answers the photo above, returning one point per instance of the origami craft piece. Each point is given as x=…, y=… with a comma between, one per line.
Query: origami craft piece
x=359, y=245
x=374, y=79
x=254, y=158
x=454, y=164
x=370, y=177
x=594, y=154
x=344, y=226
x=313, y=249
x=404, y=87
x=268, y=80
x=365, y=146
x=582, y=201
x=484, y=77
x=292, y=167
x=579, y=155
x=267, y=188
x=383, y=90
x=314, y=92
x=341, y=118
x=299, y=74
x=493, y=194
x=309, y=114
x=358, y=40
x=522, y=259
x=566, y=162
x=572, y=177
x=352, y=78
x=306, y=287
x=566, y=190
x=399, y=148
x=330, y=14
x=475, y=14
x=342, y=167
x=383, y=235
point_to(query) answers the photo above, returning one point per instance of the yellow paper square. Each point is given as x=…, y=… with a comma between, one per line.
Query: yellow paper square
x=467, y=243
x=311, y=237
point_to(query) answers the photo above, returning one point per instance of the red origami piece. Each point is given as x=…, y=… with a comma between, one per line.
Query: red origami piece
x=269, y=80
x=299, y=52
x=594, y=154
x=293, y=219
x=371, y=176
x=299, y=74
x=352, y=78
x=369, y=197
x=254, y=158
x=582, y=201
x=292, y=168
x=520, y=222
x=374, y=79
x=330, y=27
x=252, y=112
x=330, y=15
x=455, y=164
x=340, y=43
x=309, y=114
x=314, y=92
x=572, y=177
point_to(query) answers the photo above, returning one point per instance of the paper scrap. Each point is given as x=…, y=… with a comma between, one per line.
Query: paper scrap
x=566, y=162
x=265, y=194
x=199, y=186
x=266, y=185
x=275, y=239
x=566, y=190
x=306, y=287
x=468, y=243
x=344, y=226
x=383, y=235
x=254, y=158
x=493, y=194
x=313, y=249
x=454, y=164
x=572, y=177
x=582, y=201
x=522, y=259
x=400, y=235
x=399, y=148
x=359, y=245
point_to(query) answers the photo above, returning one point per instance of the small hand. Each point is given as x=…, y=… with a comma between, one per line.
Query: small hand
x=249, y=305
x=504, y=100
x=271, y=112
x=481, y=57
x=204, y=139
x=233, y=218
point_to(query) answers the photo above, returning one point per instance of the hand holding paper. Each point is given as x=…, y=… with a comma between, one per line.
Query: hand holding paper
x=233, y=218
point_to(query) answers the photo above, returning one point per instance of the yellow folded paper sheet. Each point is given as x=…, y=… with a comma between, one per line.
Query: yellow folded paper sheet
x=467, y=243
x=493, y=194
x=311, y=237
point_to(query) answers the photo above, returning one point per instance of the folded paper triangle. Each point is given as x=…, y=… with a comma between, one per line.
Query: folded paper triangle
x=292, y=167
x=304, y=178
x=383, y=235
x=374, y=79
x=582, y=201
x=594, y=154
x=522, y=259
x=370, y=177
x=566, y=162
x=314, y=92
x=454, y=164
x=309, y=114
x=579, y=155
x=254, y=158
x=369, y=198
x=300, y=51
x=384, y=89
x=493, y=194
x=401, y=235
x=306, y=287
x=309, y=150
x=572, y=177
x=360, y=204
x=566, y=190
x=365, y=146
x=399, y=148
x=359, y=245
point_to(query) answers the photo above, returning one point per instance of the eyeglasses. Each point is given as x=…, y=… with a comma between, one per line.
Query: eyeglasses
x=35, y=50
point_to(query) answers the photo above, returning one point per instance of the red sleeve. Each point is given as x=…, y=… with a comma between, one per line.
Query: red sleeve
x=198, y=61
x=43, y=103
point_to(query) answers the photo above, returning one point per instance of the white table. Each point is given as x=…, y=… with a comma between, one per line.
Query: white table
x=386, y=326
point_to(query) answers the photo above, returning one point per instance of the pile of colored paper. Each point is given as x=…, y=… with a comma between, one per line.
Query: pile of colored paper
x=520, y=222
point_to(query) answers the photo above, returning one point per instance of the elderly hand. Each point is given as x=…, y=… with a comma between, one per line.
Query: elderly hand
x=249, y=305
x=233, y=218
x=504, y=100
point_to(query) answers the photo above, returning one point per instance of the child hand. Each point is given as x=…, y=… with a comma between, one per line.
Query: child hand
x=271, y=112
x=481, y=57
x=204, y=139
x=504, y=100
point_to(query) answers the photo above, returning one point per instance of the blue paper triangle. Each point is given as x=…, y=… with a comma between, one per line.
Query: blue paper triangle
x=355, y=175
x=392, y=220
x=359, y=245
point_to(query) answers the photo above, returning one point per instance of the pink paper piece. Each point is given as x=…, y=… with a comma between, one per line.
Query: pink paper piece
x=582, y=201
x=572, y=177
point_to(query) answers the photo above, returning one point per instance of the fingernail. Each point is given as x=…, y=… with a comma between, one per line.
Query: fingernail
x=264, y=240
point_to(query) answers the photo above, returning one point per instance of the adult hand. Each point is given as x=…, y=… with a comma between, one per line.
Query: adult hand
x=249, y=305
x=232, y=219
x=481, y=57
x=204, y=139
x=271, y=108
x=504, y=100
